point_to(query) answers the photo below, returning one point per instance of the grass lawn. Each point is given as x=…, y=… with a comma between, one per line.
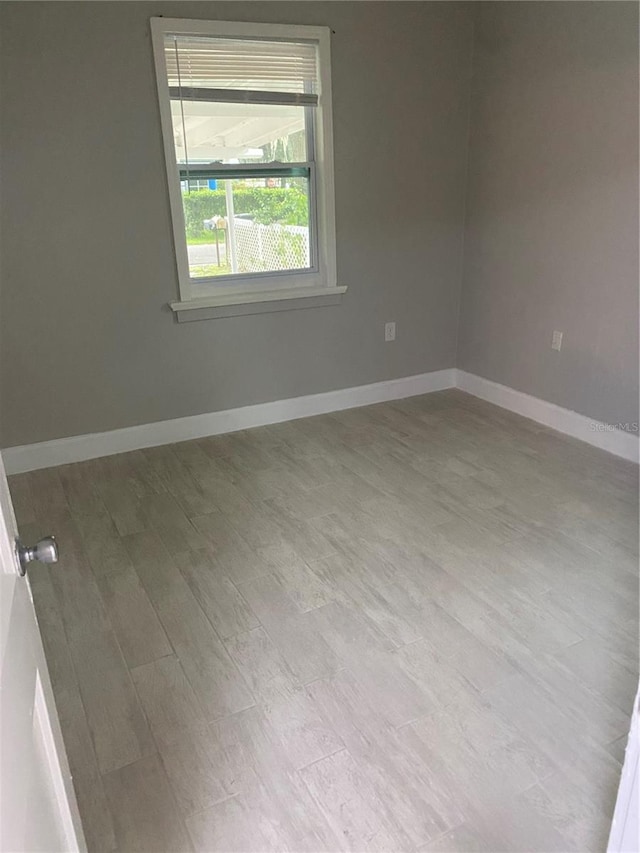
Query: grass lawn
x=204, y=270
x=206, y=237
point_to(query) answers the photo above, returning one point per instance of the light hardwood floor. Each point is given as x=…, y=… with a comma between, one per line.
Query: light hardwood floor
x=407, y=627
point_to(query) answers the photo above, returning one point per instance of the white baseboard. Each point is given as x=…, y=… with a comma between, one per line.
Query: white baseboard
x=604, y=436
x=46, y=454
x=30, y=457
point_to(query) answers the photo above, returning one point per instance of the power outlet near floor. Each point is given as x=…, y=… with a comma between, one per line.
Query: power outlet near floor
x=390, y=331
x=556, y=341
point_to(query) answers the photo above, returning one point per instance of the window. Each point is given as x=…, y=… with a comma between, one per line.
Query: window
x=246, y=121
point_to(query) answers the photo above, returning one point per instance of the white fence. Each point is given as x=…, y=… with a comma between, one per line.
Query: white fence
x=262, y=248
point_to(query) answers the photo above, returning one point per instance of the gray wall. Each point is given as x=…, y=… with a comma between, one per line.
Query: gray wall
x=552, y=207
x=551, y=238
x=87, y=258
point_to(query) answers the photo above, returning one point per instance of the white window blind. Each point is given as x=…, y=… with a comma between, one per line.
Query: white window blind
x=251, y=71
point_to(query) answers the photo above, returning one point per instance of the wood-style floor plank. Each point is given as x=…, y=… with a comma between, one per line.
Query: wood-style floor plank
x=134, y=621
x=202, y=769
x=144, y=810
x=304, y=735
x=350, y=803
x=303, y=648
x=168, y=700
x=206, y=662
x=223, y=604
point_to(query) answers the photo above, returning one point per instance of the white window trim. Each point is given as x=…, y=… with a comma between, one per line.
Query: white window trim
x=268, y=289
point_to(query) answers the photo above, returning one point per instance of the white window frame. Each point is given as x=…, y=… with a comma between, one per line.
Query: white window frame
x=317, y=285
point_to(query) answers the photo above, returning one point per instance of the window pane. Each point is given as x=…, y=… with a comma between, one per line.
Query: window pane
x=263, y=227
x=238, y=133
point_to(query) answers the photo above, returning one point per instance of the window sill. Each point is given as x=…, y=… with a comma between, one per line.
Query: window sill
x=216, y=306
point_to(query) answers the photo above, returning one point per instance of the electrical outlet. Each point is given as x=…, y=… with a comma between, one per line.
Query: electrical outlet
x=390, y=331
x=556, y=341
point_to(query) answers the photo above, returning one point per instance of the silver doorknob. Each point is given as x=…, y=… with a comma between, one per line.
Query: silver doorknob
x=45, y=551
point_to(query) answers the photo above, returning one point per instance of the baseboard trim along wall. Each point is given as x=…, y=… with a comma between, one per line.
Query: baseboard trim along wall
x=606, y=437
x=31, y=457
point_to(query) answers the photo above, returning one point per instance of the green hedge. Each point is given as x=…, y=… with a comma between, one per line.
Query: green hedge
x=288, y=206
